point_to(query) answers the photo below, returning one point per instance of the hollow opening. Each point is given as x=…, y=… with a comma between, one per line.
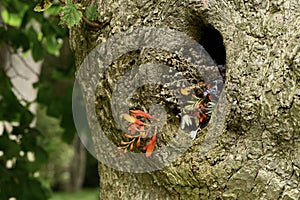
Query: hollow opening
x=212, y=40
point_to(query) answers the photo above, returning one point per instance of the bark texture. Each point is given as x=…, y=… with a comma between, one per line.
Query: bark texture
x=258, y=154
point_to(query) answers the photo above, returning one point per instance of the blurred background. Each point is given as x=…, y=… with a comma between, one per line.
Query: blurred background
x=41, y=156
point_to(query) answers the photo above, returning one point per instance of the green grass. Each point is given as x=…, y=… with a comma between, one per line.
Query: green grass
x=86, y=194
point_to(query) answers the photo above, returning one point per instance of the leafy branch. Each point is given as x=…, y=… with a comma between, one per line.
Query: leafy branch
x=72, y=13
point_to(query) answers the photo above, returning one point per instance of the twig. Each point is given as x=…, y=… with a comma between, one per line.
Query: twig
x=90, y=23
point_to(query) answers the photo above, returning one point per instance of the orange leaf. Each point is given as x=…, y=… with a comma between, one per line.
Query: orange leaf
x=140, y=113
x=140, y=123
x=150, y=149
x=150, y=146
x=153, y=139
x=131, y=146
x=138, y=143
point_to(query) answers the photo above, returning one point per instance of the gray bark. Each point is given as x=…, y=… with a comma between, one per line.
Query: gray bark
x=257, y=155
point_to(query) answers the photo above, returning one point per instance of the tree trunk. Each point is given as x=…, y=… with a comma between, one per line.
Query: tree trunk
x=257, y=155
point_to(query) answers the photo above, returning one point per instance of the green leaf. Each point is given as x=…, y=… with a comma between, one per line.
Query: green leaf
x=54, y=10
x=13, y=14
x=41, y=156
x=43, y=5
x=52, y=45
x=17, y=38
x=71, y=14
x=37, y=51
x=91, y=13
x=11, y=148
x=35, y=190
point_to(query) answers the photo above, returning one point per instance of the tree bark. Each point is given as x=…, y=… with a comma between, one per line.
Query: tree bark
x=257, y=156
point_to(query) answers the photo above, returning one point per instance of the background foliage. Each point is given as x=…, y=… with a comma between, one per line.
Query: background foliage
x=40, y=34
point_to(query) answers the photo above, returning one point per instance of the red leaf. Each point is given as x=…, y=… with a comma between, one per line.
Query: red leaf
x=140, y=123
x=150, y=146
x=202, y=117
x=140, y=113
x=150, y=149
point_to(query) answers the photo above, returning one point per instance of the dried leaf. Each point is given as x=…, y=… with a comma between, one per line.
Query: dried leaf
x=186, y=120
x=129, y=118
x=43, y=5
x=185, y=91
